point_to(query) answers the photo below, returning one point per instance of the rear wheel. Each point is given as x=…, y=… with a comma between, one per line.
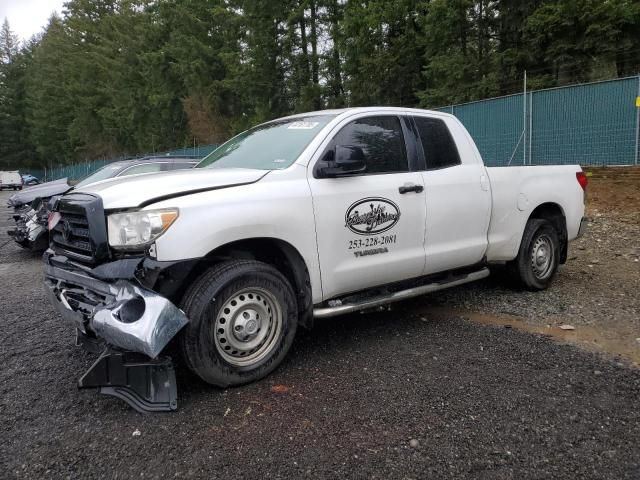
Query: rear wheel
x=243, y=319
x=538, y=258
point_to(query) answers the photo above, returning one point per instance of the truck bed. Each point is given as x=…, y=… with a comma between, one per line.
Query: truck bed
x=517, y=191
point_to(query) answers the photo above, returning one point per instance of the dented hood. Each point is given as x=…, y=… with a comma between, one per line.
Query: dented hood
x=44, y=190
x=146, y=189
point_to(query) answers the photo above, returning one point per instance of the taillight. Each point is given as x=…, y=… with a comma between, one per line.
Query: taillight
x=582, y=180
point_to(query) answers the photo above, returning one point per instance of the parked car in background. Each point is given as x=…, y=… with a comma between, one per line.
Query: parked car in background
x=10, y=180
x=303, y=217
x=30, y=207
x=29, y=180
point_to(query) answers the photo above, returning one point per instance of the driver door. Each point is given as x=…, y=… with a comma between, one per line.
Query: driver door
x=370, y=226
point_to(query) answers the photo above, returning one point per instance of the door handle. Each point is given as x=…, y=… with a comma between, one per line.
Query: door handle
x=410, y=188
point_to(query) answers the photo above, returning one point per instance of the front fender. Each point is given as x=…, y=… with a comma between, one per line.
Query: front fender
x=278, y=207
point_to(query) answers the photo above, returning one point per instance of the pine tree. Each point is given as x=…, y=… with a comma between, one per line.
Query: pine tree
x=50, y=108
x=16, y=150
x=382, y=54
x=114, y=77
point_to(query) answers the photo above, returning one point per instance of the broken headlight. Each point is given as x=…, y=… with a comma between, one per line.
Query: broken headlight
x=131, y=230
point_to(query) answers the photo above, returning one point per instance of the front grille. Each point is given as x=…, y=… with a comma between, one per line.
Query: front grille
x=70, y=236
x=78, y=235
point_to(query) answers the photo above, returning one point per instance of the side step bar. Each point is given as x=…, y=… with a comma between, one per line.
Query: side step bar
x=326, y=312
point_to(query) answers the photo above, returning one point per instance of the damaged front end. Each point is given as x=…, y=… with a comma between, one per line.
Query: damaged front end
x=111, y=309
x=30, y=231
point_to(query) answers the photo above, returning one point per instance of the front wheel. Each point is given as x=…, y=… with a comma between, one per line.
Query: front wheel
x=538, y=258
x=243, y=319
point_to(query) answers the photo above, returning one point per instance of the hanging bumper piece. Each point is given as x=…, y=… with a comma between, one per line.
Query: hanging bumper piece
x=146, y=385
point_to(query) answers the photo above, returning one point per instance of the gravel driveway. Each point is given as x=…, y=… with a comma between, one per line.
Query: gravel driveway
x=415, y=392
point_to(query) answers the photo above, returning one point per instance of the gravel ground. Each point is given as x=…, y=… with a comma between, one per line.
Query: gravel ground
x=415, y=392
x=597, y=291
x=599, y=285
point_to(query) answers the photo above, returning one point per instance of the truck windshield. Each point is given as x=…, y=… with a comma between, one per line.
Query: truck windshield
x=272, y=146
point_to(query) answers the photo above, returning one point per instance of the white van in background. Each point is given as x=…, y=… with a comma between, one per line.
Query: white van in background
x=11, y=180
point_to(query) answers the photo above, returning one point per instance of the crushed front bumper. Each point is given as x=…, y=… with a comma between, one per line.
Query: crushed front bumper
x=29, y=232
x=121, y=313
x=129, y=323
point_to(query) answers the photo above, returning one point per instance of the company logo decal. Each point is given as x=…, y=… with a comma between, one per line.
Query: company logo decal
x=370, y=216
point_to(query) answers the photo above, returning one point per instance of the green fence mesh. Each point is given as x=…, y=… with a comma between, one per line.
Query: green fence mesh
x=590, y=124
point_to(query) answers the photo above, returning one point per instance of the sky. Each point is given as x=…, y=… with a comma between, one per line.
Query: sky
x=27, y=17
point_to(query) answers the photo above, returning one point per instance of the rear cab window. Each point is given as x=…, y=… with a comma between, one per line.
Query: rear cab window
x=438, y=145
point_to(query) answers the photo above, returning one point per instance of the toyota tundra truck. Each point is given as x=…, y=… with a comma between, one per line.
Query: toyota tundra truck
x=300, y=218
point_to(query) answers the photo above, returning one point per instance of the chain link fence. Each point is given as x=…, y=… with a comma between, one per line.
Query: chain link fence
x=594, y=124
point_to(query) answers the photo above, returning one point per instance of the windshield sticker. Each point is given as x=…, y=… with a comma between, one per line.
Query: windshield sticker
x=302, y=125
x=371, y=216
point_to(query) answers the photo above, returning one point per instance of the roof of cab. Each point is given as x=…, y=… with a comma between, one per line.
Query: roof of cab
x=355, y=110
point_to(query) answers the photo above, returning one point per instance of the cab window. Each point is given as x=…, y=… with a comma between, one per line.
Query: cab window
x=439, y=148
x=381, y=141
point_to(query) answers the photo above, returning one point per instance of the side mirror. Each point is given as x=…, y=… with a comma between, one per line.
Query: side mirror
x=343, y=160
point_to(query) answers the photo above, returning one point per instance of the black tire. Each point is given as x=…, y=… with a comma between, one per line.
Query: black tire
x=201, y=340
x=530, y=269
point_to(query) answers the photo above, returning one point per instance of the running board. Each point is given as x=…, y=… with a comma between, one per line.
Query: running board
x=341, y=309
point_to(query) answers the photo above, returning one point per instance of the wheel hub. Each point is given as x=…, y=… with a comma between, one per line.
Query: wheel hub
x=247, y=326
x=542, y=256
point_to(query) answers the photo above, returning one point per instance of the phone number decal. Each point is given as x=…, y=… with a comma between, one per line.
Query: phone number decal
x=372, y=241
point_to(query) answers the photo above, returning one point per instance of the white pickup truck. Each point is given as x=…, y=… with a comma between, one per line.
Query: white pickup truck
x=303, y=217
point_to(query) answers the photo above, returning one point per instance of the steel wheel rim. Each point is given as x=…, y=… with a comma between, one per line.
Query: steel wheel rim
x=248, y=326
x=542, y=257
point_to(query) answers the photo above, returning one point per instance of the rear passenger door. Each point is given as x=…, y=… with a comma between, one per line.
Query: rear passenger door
x=369, y=226
x=457, y=193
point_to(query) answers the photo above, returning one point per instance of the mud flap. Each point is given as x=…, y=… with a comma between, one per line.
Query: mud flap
x=146, y=385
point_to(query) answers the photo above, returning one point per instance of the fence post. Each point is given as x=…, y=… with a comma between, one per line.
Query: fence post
x=635, y=162
x=524, y=120
x=530, y=124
